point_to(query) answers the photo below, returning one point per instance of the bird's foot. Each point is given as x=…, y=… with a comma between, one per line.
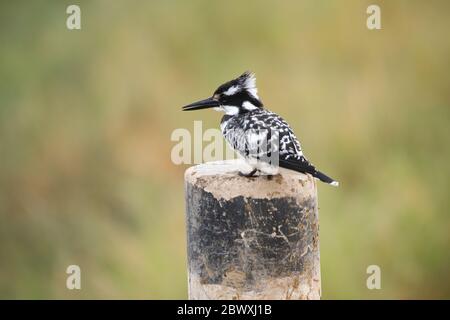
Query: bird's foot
x=248, y=175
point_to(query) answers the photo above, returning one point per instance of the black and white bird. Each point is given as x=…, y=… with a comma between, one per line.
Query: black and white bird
x=257, y=134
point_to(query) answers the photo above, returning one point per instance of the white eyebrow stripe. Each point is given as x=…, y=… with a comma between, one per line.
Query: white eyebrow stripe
x=231, y=90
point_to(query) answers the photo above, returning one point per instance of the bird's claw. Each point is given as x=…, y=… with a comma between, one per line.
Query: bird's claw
x=248, y=175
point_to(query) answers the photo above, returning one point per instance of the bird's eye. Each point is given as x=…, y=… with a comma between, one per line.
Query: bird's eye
x=216, y=96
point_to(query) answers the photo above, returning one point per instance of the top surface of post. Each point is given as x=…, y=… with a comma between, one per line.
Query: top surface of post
x=222, y=180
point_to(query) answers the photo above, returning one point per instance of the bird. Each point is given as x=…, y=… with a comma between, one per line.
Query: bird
x=263, y=138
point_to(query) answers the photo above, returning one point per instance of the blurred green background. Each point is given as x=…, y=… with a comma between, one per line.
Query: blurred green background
x=86, y=117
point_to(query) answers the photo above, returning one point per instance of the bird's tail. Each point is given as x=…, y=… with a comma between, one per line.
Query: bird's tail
x=324, y=178
x=303, y=165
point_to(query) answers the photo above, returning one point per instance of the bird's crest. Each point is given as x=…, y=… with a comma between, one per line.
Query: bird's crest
x=246, y=81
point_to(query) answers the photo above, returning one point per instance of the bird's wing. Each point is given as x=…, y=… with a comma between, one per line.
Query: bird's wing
x=276, y=130
x=261, y=134
x=275, y=127
x=254, y=133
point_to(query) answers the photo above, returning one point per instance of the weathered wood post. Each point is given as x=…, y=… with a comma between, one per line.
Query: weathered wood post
x=251, y=238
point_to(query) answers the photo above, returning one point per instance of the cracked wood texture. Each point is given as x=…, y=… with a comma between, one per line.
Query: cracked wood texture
x=251, y=238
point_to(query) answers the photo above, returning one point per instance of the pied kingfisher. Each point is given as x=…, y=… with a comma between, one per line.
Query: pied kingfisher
x=254, y=132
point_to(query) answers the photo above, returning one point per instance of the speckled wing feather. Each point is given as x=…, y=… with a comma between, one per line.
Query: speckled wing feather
x=245, y=134
x=248, y=133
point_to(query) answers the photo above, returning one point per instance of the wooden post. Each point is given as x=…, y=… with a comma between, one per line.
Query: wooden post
x=251, y=238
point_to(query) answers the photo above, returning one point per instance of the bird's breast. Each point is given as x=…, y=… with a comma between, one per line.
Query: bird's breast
x=223, y=124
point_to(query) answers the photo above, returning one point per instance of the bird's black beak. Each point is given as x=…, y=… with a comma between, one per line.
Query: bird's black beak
x=202, y=104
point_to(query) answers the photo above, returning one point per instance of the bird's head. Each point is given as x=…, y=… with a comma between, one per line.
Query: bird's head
x=237, y=96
